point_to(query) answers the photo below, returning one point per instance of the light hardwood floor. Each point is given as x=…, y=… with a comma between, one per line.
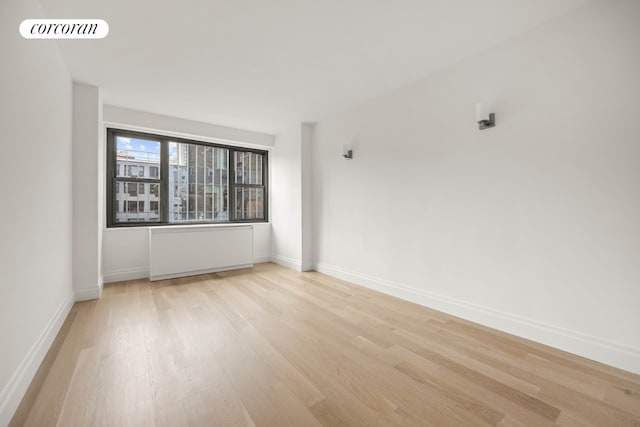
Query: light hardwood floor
x=272, y=347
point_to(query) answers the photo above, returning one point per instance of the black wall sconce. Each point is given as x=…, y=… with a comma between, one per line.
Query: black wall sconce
x=485, y=119
x=347, y=152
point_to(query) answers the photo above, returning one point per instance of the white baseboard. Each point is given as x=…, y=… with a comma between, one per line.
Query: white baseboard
x=19, y=382
x=198, y=272
x=292, y=263
x=126, y=274
x=595, y=348
x=261, y=258
x=93, y=292
x=143, y=273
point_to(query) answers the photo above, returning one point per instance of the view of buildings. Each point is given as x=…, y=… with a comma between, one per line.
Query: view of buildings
x=198, y=187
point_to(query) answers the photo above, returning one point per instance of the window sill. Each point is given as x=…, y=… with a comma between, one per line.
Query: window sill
x=187, y=226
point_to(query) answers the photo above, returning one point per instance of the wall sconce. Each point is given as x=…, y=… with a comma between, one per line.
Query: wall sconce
x=347, y=152
x=485, y=119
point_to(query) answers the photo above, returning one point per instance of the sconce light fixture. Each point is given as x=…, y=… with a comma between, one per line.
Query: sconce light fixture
x=347, y=152
x=485, y=119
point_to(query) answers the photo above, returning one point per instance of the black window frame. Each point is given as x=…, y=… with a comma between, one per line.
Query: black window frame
x=237, y=185
x=163, y=180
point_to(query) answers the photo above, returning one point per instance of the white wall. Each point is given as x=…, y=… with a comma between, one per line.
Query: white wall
x=286, y=198
x=531, y=227
x=125, y=251
x=88, y=187
x=160, y=123
x=35, y=220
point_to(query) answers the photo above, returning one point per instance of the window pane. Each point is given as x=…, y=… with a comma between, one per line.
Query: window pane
x=131, y=188
x=248, y=168
x=198, y=184
x=137, y=202
x=249, y=203
x=135, y=157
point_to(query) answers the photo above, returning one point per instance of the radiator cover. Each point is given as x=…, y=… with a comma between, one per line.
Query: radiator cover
x=197, y=249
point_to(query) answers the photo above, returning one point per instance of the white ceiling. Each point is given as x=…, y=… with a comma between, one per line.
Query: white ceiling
x=263, y=64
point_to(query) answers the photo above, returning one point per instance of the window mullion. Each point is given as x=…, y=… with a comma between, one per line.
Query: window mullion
x=231, y=198
x=164, y=181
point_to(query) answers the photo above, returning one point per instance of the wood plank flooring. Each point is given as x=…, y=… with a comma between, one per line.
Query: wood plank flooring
x=268, y=346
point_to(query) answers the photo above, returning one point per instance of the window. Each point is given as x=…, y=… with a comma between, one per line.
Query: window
x=249, y=192
x=132, y=170
x=132, y=188
x=132, y=207
x=186, y=181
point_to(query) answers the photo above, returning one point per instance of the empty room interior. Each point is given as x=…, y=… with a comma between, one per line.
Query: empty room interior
x=320, y=213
